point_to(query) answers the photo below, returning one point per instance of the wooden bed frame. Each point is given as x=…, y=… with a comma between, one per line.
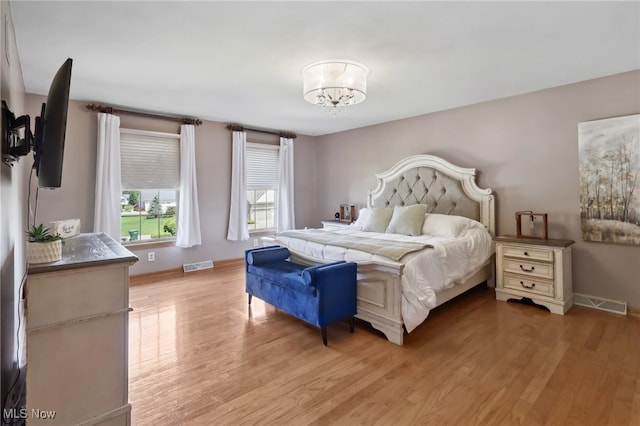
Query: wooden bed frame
x=444, y=188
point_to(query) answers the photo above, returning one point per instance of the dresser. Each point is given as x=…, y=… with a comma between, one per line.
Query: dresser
x=539, y=270
x=77, y=319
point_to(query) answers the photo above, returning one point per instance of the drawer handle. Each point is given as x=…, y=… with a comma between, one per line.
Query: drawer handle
x=527, y=270
x=526, y=286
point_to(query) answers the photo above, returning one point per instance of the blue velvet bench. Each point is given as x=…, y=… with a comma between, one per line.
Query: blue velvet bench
x=319, y=295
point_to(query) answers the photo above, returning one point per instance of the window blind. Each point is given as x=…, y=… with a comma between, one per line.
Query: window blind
x=261, y=166
x=149, y=160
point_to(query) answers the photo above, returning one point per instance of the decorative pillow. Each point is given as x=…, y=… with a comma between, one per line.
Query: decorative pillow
x=407, y=220
x=446, y=226
x=378, y=219
x=363, y=217
x=267, y=255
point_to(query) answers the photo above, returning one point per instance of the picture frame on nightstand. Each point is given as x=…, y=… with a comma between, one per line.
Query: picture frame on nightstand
x=538, y=230
x=347, y=213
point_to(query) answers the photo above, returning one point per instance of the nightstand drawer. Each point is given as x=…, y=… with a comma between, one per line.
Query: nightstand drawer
x=523, y=267
x=334, y=225
x=528, y=253
x=530, y=285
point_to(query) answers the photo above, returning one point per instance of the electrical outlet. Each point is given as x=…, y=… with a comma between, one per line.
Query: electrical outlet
x=151, y=256
x=255, y=242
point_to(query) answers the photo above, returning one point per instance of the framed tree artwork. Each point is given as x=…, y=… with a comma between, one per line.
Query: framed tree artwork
x=609, y=165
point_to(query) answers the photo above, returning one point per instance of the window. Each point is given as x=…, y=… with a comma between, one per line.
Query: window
x=150, y=164
x=261, y=168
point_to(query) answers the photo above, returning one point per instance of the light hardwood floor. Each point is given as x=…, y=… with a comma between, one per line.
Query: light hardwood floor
x=200, y=356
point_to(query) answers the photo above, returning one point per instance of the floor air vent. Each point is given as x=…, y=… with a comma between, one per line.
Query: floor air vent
x=199, y=266
x=608, y=305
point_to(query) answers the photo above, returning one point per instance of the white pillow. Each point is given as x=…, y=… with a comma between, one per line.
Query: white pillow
x=363, y=217
x=446, y=226
x=407, y=220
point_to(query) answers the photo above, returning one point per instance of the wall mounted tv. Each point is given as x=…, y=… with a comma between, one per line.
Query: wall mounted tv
x=47, y=141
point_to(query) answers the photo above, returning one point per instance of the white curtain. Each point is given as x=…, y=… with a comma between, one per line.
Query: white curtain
x=106, y=217
x=188, y=213
x=286, y=215
x=238, y=229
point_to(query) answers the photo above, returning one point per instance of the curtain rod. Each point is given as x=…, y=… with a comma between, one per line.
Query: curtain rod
x=241, y=128
x=111, y=110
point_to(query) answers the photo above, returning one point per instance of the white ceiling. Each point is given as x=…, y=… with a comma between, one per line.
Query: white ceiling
x=241, y=61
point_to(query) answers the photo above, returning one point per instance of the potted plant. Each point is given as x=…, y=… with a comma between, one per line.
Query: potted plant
x=43, y=247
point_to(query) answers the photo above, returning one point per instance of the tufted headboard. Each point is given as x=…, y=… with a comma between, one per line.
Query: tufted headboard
x=443, y=187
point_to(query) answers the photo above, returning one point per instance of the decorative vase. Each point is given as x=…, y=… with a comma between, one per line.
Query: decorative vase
x=50, y=251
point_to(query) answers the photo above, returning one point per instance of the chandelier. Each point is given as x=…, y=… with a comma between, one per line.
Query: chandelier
x=335, y=84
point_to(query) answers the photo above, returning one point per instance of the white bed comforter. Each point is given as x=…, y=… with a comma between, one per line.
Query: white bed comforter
x=425, y=272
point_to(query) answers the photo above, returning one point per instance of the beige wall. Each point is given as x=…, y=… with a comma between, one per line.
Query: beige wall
x=12, y=208
x=75, y=198
x=526, y=149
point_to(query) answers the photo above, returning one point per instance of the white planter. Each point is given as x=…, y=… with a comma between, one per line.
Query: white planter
x=44, y=252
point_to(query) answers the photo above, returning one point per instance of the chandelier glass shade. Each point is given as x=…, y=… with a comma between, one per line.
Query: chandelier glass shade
x=335, y=84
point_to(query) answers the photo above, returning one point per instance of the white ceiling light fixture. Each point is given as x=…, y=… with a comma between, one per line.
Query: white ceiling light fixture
x=335, y=84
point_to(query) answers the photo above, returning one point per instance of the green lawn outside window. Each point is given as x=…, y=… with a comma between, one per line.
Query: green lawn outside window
x=145, y=226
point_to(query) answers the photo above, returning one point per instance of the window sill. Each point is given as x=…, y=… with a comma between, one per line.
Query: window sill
x=263, y=233
x=145, y=245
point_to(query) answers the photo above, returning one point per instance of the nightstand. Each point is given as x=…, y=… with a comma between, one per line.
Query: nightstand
x=536, y=269
x=334, y=225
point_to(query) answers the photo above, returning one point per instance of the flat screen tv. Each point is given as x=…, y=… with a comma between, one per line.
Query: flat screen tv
x=50, y=130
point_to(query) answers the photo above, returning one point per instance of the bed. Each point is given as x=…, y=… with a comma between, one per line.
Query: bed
x=396, y=290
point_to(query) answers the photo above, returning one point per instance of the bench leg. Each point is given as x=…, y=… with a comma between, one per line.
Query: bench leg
x=352, y=324
x=324, y=335
x=250, y=296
